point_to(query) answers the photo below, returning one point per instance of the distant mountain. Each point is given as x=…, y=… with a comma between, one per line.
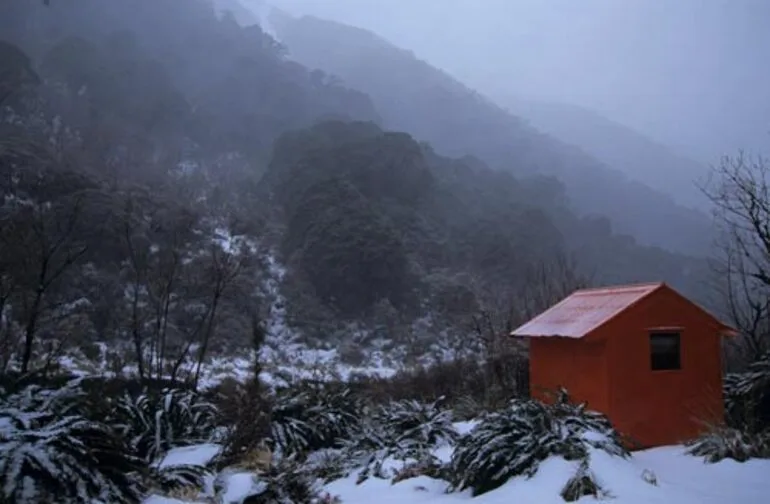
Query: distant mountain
x=413, y=96
x=245, y=16
x=617, y=145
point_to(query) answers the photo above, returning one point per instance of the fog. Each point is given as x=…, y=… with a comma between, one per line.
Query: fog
x=691, y=74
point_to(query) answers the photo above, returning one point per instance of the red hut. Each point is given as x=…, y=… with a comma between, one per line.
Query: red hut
x=644, y=355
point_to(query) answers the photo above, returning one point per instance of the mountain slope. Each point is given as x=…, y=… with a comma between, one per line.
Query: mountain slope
x=373, y=220
x=616, y=145
x=212, y=191
x=237, y=89
x=415, y=97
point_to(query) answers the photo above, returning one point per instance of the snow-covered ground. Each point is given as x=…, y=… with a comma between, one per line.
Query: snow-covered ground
x=664, y=475
x=681, y=479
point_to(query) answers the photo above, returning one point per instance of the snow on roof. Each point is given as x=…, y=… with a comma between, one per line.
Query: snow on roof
x=583, y=311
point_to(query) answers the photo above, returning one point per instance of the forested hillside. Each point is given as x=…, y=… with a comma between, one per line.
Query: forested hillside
x=373, y=216
x=413, y=96
x=161, y=166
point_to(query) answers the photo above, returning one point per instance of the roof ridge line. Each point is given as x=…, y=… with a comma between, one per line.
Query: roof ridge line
x=640, y=285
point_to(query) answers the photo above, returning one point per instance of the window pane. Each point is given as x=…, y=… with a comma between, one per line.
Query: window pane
x=664, y=351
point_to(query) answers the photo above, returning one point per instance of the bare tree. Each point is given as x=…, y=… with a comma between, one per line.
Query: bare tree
x=740, y=191
x=223, y=269
x=180, y=279
x=41, y=243
x=155, y=243
x=9, y=335
x=138, y=269
x=505, y=307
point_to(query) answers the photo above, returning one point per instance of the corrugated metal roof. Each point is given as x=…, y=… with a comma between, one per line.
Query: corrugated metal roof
x=585, y=310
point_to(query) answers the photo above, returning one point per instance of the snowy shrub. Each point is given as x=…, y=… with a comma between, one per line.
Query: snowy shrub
x=727, y=442
x=286, y=482
x=735, y=401
x=61, y=401
x=290, y=430
x=54, y=455
x=155, y=424
x=369, y=448
x=467, y=408
x=257, y=459
x=582, y=484
x=313, y=418
x=245, y=415
x=514, y=441
x=174, y=478
x=403, y=430
x=747, y=397
x=416, y=423
x=747, y=410
x=430, y=467
x=755, y=379
x=328, y=465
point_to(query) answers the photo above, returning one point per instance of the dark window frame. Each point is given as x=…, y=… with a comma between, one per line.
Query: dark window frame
x=665, y=350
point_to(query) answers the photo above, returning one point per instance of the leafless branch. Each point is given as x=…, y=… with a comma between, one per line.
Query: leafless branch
x=740, y=191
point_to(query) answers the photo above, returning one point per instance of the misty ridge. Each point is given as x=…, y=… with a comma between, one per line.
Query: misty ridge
x=178, y=175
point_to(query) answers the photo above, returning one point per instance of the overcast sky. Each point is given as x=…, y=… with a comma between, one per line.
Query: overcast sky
x=693, y=73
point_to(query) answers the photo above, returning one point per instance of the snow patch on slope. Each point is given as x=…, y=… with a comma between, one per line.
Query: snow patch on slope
x=285, y=356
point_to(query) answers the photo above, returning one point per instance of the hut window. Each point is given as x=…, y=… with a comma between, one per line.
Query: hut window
x=665, y=351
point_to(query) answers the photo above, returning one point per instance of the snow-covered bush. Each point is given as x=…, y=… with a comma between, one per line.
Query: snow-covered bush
x=244, y=412
x=286, y=482
x=467, y=408
x=747, y=411
x=514, y=441
x=153, y=424
x=313, y=418
x=747, y=397
x=428, y=425
x=328, y=465
x=370, y=447
x=178, y=477
x=403, y=430
x=431, y=467
x=582, y=483
x=49, y=453
x=68, y=399
x=727, y=442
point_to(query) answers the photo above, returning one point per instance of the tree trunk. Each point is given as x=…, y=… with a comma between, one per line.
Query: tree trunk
x=29, y=330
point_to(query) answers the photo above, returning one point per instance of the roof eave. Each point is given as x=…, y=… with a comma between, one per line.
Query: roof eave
x=569, y=336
